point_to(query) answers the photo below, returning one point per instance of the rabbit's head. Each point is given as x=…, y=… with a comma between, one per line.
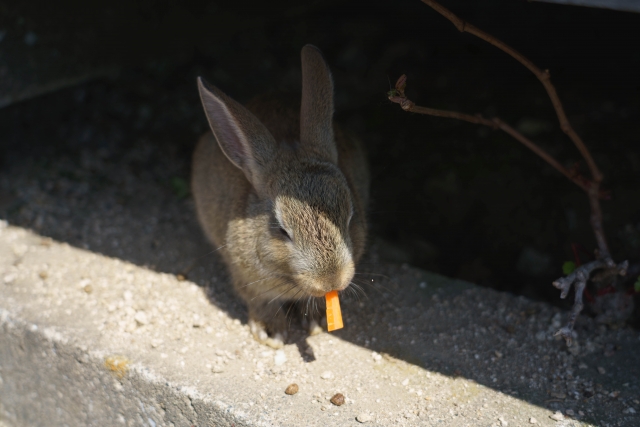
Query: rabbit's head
x=301, y=206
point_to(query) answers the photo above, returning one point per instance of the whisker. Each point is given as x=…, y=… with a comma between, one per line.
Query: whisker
x=195, y=261
x=293, y=303
x=375, y=284
x=291, y=306
x=269, y=290
x=357, y=289
x=256, y=281
x=375, y=287
x=284, y=302
x=356, y=286
x=282, y=293
x=306, y=310
x=364, y=273
x=359, y=292
x=351, y=292
x=209, y=253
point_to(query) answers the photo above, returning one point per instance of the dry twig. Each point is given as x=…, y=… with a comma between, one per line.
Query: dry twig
x=592, y=187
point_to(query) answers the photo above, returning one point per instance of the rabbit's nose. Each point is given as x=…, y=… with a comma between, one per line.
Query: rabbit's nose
x=340, y=280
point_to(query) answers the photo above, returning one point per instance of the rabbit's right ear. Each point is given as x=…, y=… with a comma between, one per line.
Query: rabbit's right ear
x=242, y=137
x=316, y=109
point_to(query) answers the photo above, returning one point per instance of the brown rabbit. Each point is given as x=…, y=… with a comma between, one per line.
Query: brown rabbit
x=283, y=192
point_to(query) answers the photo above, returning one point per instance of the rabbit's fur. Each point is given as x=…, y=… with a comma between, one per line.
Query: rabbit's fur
x=283, y=193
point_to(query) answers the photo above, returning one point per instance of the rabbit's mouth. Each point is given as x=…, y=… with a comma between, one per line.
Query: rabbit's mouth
x=317, y=294
x=319, y=286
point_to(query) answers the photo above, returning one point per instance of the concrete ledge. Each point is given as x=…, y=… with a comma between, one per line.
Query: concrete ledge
x=50, y=381
x=90, y=340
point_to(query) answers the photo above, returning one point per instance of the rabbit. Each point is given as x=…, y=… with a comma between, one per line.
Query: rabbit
x=283, y=193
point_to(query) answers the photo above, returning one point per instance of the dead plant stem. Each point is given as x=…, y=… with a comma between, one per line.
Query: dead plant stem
x=593, y=189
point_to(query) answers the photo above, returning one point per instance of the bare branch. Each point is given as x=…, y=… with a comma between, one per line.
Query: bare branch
x=543, y=76
x=592, y=188
x=399, y=97
x=579, y=279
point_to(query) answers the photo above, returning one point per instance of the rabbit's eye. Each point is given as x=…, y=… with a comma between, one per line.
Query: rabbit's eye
x=284, y=233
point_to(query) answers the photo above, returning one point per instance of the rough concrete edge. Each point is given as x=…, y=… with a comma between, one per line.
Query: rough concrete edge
x=137, y=394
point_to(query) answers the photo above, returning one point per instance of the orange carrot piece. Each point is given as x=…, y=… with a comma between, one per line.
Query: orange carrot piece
x=334, y=315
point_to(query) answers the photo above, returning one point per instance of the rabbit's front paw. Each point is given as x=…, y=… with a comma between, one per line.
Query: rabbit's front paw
x=314, y=328
x=259, y=332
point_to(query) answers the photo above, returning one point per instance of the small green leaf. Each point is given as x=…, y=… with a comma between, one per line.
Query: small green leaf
x=636, y=286
x=568, y=267
x=180, y=187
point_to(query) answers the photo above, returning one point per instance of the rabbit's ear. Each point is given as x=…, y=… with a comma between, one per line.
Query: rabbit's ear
x=241, y=136
x=316, y=110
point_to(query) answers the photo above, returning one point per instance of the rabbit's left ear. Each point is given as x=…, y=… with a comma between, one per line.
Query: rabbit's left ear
x=242, y=137
x=316, y=110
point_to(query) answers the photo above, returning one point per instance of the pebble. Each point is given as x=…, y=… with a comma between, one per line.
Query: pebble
x=141, y=318
x=364, y=418
x=570, y=412
x=629, y=411
x=198, y=322
x=326, y=375
x=503, y=422
x=557, y=416
x=338, y=399
x=601, y=370
x=292, y=389
x=533, y=421
x=279, y=358
x=217, y=369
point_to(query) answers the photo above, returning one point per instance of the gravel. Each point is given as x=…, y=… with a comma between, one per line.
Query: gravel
x=291, y=389
x=364, y=418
